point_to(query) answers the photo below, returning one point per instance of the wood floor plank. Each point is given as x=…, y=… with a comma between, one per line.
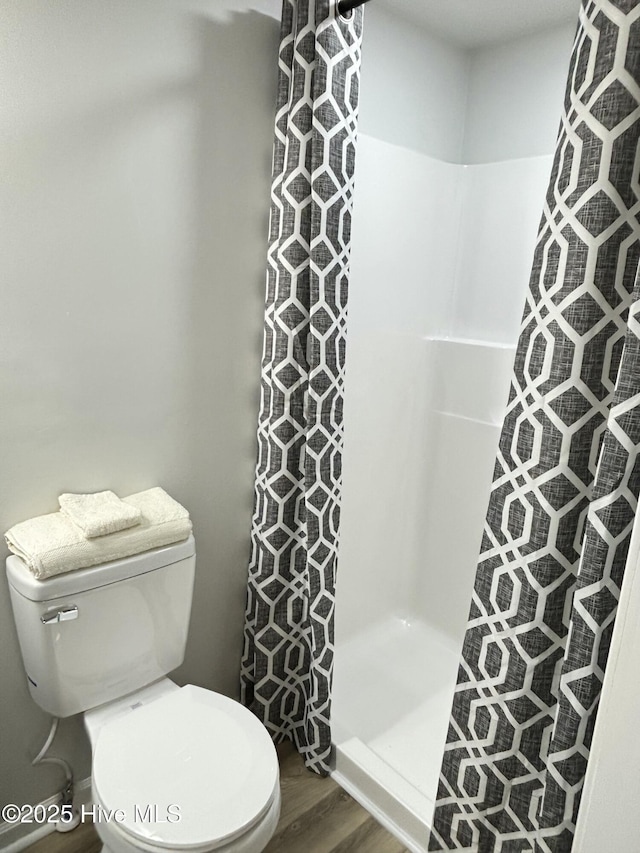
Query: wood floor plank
x=84, y=839
x=370, y=837
x=301, y=789
x=320, y=828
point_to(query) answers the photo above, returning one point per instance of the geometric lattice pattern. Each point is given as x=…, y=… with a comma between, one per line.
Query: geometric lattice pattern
x=566, y=480
x=288, y=652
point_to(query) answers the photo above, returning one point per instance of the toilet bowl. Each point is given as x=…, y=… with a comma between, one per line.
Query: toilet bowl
x=181, y=769
x=174, y=768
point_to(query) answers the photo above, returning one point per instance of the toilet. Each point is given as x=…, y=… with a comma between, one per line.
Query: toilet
x=174, y=768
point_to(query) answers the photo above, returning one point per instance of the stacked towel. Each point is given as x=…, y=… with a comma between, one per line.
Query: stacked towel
x=52, y=544
x=99, y=514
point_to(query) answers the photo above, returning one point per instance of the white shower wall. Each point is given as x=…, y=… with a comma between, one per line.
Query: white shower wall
x=440, y=262
x=441, y=257
x=468, y=395
x=501, y=207
x=403, y=254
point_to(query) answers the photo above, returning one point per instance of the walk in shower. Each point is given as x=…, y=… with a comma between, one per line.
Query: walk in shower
x=440, y=263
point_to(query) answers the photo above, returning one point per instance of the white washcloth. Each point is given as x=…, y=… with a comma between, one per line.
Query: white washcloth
x=52, y=544
x=100, y=513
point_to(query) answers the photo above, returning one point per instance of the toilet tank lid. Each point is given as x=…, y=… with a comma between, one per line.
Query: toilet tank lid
x=82, y=580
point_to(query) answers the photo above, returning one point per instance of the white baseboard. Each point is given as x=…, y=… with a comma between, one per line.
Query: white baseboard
x=15, y=837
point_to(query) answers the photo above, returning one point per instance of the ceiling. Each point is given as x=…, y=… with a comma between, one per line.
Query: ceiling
x=471, y=23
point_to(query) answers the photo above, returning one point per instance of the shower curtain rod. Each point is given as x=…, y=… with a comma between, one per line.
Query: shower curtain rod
x=345, y=6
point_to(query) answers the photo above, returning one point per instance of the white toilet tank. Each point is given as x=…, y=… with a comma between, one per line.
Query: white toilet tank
x=92, y=635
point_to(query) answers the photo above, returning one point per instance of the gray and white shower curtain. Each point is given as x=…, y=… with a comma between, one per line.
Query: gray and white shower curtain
x=566, y=480
x=288, y=650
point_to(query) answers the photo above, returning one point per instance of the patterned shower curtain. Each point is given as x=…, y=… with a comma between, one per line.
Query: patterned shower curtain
x=288, y=650
x=566, y=480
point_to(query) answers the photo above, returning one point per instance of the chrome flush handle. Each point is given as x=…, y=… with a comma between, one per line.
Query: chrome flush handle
x=65, y=614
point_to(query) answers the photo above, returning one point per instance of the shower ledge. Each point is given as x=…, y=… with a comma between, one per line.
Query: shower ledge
x=370, y=780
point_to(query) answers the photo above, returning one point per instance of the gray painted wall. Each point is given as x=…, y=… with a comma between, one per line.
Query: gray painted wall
x=136, y=158
x=502, y=123
x=414, y=87
x=481, y=105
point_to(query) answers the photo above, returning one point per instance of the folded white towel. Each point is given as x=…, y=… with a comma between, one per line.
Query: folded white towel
x=52, y=544
x=100, y=513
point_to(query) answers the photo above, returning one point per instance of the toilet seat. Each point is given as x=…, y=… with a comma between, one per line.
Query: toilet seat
x=194, y=759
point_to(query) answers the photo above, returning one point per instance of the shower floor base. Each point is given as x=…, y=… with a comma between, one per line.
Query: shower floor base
x=392, y=698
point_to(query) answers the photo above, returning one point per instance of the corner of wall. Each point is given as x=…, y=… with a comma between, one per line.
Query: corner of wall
x=515, y=96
